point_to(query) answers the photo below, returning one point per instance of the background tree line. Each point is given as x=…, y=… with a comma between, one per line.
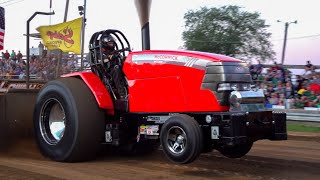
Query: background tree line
x=228, y=30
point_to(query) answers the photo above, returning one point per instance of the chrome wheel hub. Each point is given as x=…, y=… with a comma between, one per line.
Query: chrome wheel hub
x=176, y=140
x=52, y=121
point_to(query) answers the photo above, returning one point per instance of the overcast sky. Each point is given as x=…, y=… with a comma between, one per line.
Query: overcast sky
x=167, y=23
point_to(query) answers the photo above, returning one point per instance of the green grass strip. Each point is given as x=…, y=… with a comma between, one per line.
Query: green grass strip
x=302, y=128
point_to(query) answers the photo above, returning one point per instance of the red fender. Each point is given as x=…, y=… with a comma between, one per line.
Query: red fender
x=97, y=88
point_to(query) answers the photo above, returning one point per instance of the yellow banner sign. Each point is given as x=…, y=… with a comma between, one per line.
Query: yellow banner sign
x=64, y=36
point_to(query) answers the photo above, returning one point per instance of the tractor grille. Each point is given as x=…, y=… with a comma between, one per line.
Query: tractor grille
x=224, y=72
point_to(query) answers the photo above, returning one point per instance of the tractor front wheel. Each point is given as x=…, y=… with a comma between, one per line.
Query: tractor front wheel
x=181, y=139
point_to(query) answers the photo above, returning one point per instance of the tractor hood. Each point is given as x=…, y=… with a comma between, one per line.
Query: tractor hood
x=184, y=78
x=186, y=58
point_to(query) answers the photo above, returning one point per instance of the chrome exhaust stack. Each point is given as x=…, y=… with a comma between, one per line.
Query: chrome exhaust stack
x=143, y=8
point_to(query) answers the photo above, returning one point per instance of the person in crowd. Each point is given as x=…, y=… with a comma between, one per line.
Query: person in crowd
x=306, y=95
x=274, y=100
x=2, y=65
x=255, y=70
x=277, y=68
x=32, y=67
x=281, y=99
x=301, y=92
x=263, y=87
x=316, y=102
x=41, y=46
x=279, y=88
x=288, y=77
x=311, y=98
x=289, y=91
x=299, y=81
x=299, y=104
x=269, y=75
x=9, y=74
x=279, y=76
x=6, y=55
x=270, y=90
x=18, y=72
x=33, y=57
x=13, y=55
x=309, y=68
x=19, y=56
x=316, y=80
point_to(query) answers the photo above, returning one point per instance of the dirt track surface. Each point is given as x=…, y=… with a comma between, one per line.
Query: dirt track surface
x=292, y=159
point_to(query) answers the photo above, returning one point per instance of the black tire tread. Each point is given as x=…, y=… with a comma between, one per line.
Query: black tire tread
x=237, y=151
x=90, y=123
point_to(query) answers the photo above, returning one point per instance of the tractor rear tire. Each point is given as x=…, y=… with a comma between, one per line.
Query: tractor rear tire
x=181, y=139
x=69, y=125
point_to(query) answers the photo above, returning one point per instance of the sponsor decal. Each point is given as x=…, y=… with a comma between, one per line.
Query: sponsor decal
x=178, y=60
x=158, y=119
x=5, y=85
x=65, y=36
x=166, y=57
x=24, y=86
x=149, y=130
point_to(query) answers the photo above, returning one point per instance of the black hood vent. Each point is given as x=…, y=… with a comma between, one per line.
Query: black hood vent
x=224, y=72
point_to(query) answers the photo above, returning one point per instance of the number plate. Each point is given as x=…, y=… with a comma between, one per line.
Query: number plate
x=214, y=132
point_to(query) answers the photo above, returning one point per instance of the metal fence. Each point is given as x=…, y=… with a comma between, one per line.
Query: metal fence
x=301, y=115
x=308, y=117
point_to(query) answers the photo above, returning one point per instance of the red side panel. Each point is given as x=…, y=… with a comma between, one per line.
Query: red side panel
x=156, y=95
x=159, y=87
x=97, y=88
x=172, y=93
x=199, y=100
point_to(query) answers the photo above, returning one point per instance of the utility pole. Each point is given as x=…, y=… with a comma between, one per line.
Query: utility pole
x=286, y=26
x=82, y=10
x=50, y=6
x=60, y=53
x=66, y=11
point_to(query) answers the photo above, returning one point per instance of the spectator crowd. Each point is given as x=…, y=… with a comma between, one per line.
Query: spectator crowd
x=284, y=89
x=13, y=65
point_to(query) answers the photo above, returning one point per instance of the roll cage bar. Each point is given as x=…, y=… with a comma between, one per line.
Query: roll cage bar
x=95, y=44
x=122, y=46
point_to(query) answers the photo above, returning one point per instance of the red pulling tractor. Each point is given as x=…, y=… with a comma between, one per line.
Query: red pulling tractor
x=188, y=102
